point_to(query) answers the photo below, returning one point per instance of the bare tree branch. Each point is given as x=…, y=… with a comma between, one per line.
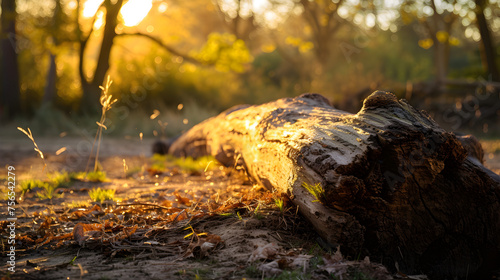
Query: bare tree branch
x=170, y=49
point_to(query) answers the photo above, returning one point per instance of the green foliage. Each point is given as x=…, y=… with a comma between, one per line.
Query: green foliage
x=316, y=190
x=268, y=63
x=226, y=52
x=100, y=195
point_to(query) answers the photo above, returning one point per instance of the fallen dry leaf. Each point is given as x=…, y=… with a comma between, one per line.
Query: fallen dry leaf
x=82, y=232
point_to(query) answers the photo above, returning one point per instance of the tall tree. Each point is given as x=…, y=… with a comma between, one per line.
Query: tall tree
x=487, y=48
x=9, y=68
x=58, y=35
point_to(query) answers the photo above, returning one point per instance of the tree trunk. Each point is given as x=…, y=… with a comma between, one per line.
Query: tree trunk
x=394, y=184
x=9, y=71
x=91, y=91
x=487, y=48
x=50, y=91
x=441, y=55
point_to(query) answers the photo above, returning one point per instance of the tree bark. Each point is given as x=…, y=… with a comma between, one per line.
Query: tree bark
x=394, y=184
x=11, y=95
x=487, y=48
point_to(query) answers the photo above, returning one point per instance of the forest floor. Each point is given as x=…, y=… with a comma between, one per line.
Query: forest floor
x=167, y=219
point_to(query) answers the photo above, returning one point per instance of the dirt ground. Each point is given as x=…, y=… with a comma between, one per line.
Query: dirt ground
x=211, y=223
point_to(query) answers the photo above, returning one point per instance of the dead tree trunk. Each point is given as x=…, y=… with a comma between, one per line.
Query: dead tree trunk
x=395, y=185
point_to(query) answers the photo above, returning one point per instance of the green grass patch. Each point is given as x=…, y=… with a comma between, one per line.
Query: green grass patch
x=27, y=185
x=61, y=180
x=100, y=195
x=48, y=187
x=162, y=162
x=48, y=191
x=93, y=176
x=97, y=176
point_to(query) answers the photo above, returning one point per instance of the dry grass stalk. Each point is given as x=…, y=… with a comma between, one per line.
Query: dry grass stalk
x=106, y=103
x=30, y=136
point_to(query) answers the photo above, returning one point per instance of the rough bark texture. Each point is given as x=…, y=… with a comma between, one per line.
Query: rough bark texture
x=396, y=185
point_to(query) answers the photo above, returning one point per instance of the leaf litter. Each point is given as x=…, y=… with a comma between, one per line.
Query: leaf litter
x=173, y=225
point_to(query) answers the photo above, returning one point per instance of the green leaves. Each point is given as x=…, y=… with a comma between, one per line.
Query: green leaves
x=226, y=52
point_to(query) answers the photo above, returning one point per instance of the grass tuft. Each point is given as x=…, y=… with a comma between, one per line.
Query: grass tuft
x=28, y=185
x=62, y=180
x=100, y=195
x=48, y=191
x=316, y=190
x=96, y=176
x=280, y=203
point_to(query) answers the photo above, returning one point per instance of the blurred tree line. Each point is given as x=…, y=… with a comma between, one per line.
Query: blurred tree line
x=223, y=52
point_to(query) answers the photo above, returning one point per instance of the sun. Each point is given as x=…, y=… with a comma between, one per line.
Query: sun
x=132, y=12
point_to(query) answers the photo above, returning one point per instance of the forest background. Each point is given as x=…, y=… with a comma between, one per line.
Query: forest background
x=183, y=61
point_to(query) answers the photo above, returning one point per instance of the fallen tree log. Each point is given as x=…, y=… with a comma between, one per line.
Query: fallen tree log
x=391, y=183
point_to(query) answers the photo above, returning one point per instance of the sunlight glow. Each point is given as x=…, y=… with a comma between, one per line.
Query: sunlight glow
x=134, y=11
x=99, y=20
x=90, y=7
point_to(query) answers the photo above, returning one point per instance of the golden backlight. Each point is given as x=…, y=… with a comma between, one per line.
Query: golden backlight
x=132, y=12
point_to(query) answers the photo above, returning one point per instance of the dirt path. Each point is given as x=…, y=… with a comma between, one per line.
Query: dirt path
x=156, y=207
x=237, y=229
